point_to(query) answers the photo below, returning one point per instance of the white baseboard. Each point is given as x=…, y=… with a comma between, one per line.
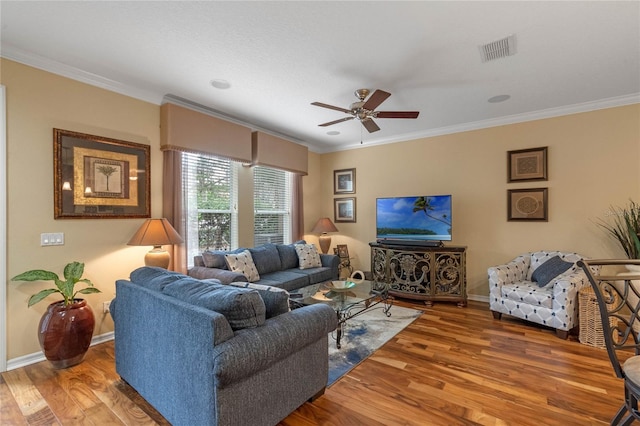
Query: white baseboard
x=477, y=298
x=23, y=361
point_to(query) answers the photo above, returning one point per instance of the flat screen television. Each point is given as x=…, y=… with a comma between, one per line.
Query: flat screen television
x=421, y=218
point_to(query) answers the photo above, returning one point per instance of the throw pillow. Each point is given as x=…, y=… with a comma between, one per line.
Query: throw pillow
x=549, y=270
x=308, y=256
x=243, y=263
x=276, y=300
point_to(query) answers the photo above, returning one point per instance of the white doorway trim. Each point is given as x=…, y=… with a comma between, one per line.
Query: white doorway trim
x=3, y=230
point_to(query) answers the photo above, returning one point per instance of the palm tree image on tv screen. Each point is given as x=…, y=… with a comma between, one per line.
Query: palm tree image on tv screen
x=425, y=218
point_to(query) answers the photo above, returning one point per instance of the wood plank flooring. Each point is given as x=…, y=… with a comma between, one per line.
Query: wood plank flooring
x=452, y=366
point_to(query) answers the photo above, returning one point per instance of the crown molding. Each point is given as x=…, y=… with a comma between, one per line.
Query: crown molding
x=55, y=67
x=503, y=121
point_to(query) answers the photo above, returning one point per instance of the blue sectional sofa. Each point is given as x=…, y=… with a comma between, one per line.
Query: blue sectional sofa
x=204, y=353
x=277, y=264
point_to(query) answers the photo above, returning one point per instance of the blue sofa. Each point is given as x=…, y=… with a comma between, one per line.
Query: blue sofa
x=204, y=353
x=277, y=264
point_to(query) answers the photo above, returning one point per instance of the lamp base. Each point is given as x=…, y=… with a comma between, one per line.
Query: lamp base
x=157, y=257
x=325, y=243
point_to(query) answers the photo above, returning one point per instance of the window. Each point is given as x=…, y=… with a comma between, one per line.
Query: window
x=210, y=200
x=272, y=206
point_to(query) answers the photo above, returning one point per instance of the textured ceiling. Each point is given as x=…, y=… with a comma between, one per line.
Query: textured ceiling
x=280, y=56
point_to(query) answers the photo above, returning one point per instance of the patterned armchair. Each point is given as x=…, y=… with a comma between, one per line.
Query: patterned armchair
x=516, y=289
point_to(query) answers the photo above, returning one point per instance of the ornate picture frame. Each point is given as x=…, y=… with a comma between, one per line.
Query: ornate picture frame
x=100, y=178
x=527, y=165
x=529, y=204
x=344, y=209
x=344, y=181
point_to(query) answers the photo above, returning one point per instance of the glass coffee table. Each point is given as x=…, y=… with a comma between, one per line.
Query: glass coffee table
x=355, y=298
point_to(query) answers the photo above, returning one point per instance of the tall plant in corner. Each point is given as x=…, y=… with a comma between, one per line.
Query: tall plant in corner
x=66, y=328
x=625, y=228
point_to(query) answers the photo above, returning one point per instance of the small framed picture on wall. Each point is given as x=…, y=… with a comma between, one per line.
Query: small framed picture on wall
x=527, y=204
x=344, y=209
x=527, y=165
x=344, y=181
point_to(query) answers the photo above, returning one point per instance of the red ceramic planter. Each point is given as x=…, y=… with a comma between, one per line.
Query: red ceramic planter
x=65, y=332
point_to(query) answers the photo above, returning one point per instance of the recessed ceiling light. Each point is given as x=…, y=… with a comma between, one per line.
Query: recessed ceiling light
x=499, y=98
x=220, y=84
x=333, y=133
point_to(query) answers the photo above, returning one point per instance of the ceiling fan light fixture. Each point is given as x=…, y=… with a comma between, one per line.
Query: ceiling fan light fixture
x=365, y=111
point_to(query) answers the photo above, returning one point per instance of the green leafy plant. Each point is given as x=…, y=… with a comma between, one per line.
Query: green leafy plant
x=72, y=274
x=625, y=228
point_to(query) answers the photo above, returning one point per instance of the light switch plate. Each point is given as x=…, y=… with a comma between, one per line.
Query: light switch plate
x=52, y=239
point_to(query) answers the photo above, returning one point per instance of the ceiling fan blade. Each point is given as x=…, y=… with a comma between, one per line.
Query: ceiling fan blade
x=376, y=99
x=335, y=121
x=397, y=114
x=370, y=125
x=320, y=104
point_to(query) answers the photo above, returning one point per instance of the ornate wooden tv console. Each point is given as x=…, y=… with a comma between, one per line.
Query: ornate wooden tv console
x=422, y=273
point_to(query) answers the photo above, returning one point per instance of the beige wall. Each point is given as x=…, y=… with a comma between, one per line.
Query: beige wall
x=37, y=102
x=594, y=161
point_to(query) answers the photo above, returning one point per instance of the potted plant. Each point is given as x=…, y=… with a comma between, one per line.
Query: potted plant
x=625, y=228
x=66, y=328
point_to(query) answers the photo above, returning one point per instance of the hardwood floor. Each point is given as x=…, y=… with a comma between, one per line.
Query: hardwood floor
x=452, y=366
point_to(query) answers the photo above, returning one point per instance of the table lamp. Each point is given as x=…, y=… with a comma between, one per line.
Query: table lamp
x=156, y=233
x=323, y=226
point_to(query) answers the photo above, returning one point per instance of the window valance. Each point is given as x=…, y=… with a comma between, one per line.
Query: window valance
x=187, y=130
x=278, y=153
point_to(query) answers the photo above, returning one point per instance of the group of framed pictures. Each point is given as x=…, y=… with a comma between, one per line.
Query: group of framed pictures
x=344, y=182
x=527, y=204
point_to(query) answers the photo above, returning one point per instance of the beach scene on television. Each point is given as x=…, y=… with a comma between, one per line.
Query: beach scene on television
x=414, y=218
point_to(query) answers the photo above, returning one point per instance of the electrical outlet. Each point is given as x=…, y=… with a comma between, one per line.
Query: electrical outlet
x=106, y=307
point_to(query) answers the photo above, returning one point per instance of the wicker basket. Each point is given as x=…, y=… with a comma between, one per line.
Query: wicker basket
x=591, y=332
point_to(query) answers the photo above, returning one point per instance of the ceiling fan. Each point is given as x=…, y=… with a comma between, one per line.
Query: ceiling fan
x=365, y=111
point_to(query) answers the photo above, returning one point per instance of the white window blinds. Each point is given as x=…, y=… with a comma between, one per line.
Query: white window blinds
x=272, y=205
x=210, y=200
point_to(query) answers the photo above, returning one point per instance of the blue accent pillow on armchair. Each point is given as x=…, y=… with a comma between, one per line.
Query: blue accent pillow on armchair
x=549, y=270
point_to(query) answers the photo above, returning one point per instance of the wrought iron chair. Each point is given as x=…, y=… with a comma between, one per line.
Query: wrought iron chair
x=618, y=297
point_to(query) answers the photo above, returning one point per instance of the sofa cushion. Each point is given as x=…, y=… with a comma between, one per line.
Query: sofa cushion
x=528, y=293
x=288, y=280
x=308, y=256
x=288, y=256
x=266, y=258
x=215, y=258
x=276, y=300
x=549, y=270
x=316, y=275
x=243, y=263
x=241, y=307
x=153, y=277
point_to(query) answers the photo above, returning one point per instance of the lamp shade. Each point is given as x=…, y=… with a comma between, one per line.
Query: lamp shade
x=323, y=226
x=156, y=233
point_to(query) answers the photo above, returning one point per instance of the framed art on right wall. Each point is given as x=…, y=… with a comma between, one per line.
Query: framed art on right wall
x=527, y=164
x=528, y=204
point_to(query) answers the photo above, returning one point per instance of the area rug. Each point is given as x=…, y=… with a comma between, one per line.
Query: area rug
x=363, y=335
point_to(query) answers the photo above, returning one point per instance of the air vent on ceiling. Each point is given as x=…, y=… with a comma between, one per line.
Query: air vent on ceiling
x=498, y=49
